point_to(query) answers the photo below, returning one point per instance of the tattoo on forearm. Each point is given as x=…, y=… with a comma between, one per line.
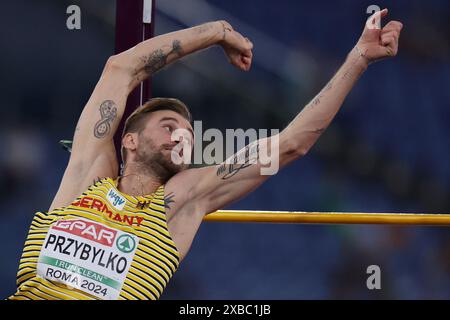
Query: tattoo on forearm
x=156, y=61
x=225, y=29
x=108, y=113
x=158, y=58
x=317, y=99
x=351, y=69
x=342, y=75
x=241, y=160
x=169, y=200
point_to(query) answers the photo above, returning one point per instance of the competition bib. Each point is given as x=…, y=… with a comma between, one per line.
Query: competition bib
x=88, y=256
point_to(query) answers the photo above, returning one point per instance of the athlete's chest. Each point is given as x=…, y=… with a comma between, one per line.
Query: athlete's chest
x=104, y=239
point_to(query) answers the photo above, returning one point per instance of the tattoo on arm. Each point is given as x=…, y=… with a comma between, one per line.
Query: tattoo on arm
x=225, y=30
x=241, y=160
x=317, y=100
x=330, y=84
x=328, y=87
x=158, y=58
x=108, y=112
x=168, y=200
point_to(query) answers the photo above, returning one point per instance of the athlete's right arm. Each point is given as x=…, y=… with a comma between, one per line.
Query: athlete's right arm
x=93, y=154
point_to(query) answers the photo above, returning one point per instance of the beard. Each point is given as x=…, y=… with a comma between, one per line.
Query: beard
x=157, y=160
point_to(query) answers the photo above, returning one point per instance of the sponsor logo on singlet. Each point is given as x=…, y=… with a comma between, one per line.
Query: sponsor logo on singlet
x=116, y=199
x=88, y=256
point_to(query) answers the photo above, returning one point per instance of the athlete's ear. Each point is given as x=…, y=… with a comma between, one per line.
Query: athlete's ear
x=129, y=141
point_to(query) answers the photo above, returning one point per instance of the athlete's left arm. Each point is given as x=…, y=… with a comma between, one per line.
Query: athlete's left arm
x=205, y=190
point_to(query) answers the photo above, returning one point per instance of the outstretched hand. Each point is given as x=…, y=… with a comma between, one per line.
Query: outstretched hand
x=378, y=43
x=238, y=49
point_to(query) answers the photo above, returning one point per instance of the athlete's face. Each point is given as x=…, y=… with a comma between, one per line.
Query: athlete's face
x=163, y=143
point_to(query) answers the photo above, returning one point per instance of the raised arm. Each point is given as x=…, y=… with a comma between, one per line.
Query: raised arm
x=375, y=44
x=93, y=153
x=218, y=186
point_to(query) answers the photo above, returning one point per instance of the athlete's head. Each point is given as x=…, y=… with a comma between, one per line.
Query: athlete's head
x=147, y=139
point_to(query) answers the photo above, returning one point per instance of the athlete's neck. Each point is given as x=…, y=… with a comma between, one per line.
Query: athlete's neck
x=137, y=181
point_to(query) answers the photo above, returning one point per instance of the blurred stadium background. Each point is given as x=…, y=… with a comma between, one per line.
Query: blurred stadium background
x=387, y=151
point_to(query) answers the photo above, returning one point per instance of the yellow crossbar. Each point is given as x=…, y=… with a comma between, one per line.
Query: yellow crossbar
x=329, y=217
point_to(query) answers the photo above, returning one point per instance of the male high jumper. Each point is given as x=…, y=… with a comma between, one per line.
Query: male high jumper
x=122, y=237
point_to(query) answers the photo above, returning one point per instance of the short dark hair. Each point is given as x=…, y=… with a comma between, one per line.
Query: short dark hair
x=136, y=121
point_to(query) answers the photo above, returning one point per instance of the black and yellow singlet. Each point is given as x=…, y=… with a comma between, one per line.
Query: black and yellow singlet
x=105, y=245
